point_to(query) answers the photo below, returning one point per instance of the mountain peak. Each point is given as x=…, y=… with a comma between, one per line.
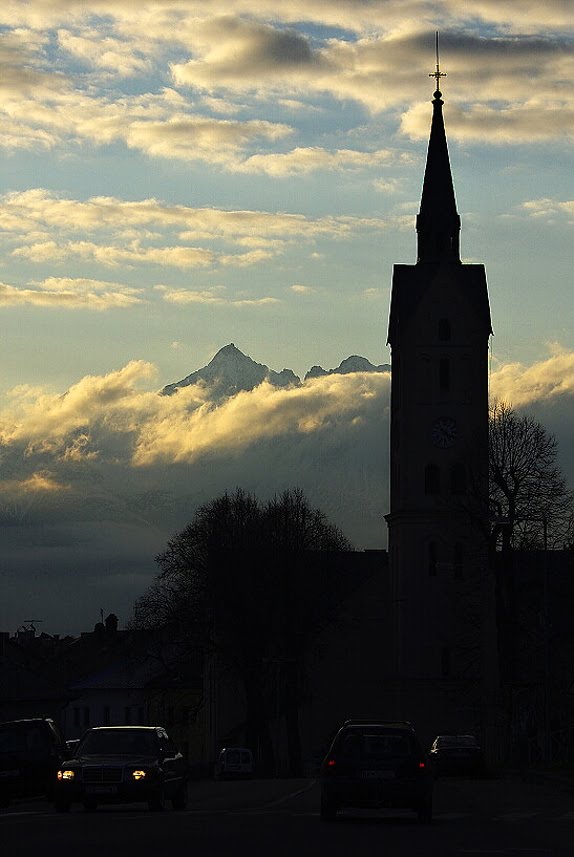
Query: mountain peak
x=231, y=371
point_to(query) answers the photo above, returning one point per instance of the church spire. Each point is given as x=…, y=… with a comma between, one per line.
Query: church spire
x=438, y=222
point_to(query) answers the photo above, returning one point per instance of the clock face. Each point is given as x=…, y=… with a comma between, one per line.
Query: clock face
x=444, y=432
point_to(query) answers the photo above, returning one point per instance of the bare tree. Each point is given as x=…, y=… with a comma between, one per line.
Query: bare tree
x=528, y=495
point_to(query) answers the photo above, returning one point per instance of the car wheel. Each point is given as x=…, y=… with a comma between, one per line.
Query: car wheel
x=90, y=805
x=179, y=800
x=328, y=810
x=62, y=806
x=424, y=811
x=157, y=802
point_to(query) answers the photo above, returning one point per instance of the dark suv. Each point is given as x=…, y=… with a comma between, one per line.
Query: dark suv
x=373, y=764
x=123, y=764
x=31, y=752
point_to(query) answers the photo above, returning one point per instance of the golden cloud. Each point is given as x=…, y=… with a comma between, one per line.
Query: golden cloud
x=543, y=381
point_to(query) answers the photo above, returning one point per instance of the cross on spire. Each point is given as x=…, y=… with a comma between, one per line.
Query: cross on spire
x=438, y=73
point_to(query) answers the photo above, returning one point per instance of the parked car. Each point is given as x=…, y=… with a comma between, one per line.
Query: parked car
x=234, y=763
x=376, y=763
x=31, y=751
x=456, y=754
x=123, y=764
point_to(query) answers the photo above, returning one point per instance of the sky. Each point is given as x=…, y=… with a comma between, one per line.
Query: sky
x=181, y=174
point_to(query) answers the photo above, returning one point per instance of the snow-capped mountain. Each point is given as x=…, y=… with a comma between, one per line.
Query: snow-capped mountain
x=231, y=371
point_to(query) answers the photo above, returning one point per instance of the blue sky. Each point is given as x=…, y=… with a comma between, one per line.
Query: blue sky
x=178, y=175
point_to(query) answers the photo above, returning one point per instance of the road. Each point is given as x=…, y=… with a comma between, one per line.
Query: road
x=280, y=818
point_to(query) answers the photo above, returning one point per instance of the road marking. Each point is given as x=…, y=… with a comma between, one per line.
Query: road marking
x=292, y=795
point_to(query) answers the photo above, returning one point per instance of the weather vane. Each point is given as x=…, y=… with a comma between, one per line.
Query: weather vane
x=438, y=73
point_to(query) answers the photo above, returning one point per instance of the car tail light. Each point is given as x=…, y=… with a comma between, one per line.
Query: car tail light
x=329, y=766
x=422, y=765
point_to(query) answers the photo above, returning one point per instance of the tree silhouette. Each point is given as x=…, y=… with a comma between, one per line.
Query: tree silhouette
x=245, y=580
x=528, y=494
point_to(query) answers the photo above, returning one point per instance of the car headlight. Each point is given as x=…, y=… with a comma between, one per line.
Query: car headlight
x=138, y=775
x=66, y=775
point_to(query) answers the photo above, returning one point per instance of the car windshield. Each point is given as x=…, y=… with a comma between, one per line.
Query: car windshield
x=376, y=744
x=118, y=742
x=457, y=741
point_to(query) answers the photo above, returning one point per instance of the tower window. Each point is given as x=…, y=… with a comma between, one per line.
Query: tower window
x=432, y=479
x=458, y=559
x=445, y=661
x=432, y=559
x=444, y=373
x=444, y=329
x=458, y=479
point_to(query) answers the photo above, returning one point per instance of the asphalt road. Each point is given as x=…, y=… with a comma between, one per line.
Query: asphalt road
x=280, y=818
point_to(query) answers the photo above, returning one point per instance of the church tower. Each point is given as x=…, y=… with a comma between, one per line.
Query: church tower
x=439, y=329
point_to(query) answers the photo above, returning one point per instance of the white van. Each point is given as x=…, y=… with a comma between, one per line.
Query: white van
x=234, y=763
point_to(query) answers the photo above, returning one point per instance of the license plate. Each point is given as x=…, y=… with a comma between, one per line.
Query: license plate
x=377, y=775
x=101, y=790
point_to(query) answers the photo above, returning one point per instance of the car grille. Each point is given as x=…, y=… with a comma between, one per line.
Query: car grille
x=99, y=774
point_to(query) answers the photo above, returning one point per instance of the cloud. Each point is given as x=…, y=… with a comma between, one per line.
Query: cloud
x=181, y=427
x=302, y=161
x=113, y=466
x=300, y=289
x=237, y=63
x=36, y=483
x=119, y=56
x=212, y=297
x=67, y=293
x=550, y=210
x=544, y=381
x=42, y=228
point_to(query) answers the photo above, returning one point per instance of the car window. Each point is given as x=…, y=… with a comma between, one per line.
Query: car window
x=245, y=757
x=118, y=742
x=377, y=745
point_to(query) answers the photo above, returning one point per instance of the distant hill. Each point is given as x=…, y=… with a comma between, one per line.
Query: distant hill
x=231, y=371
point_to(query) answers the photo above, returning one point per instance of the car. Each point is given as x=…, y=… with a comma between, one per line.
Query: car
x=375, y=764
x=456, y=754
x=123, y=764
x=31, y=751
x=234, y=763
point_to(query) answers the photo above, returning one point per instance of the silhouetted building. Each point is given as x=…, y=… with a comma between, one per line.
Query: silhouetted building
x=439, y=328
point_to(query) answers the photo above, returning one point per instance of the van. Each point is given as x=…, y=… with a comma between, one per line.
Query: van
x=234, y=763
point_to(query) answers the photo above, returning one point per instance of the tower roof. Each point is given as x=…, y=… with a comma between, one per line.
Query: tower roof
x=438, y=222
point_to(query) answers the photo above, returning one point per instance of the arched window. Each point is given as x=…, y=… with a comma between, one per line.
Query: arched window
x=444, y=374
x=458, y=559
x=432, y=553
x=432, y=479
x=444, y=329
x=458, y=478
